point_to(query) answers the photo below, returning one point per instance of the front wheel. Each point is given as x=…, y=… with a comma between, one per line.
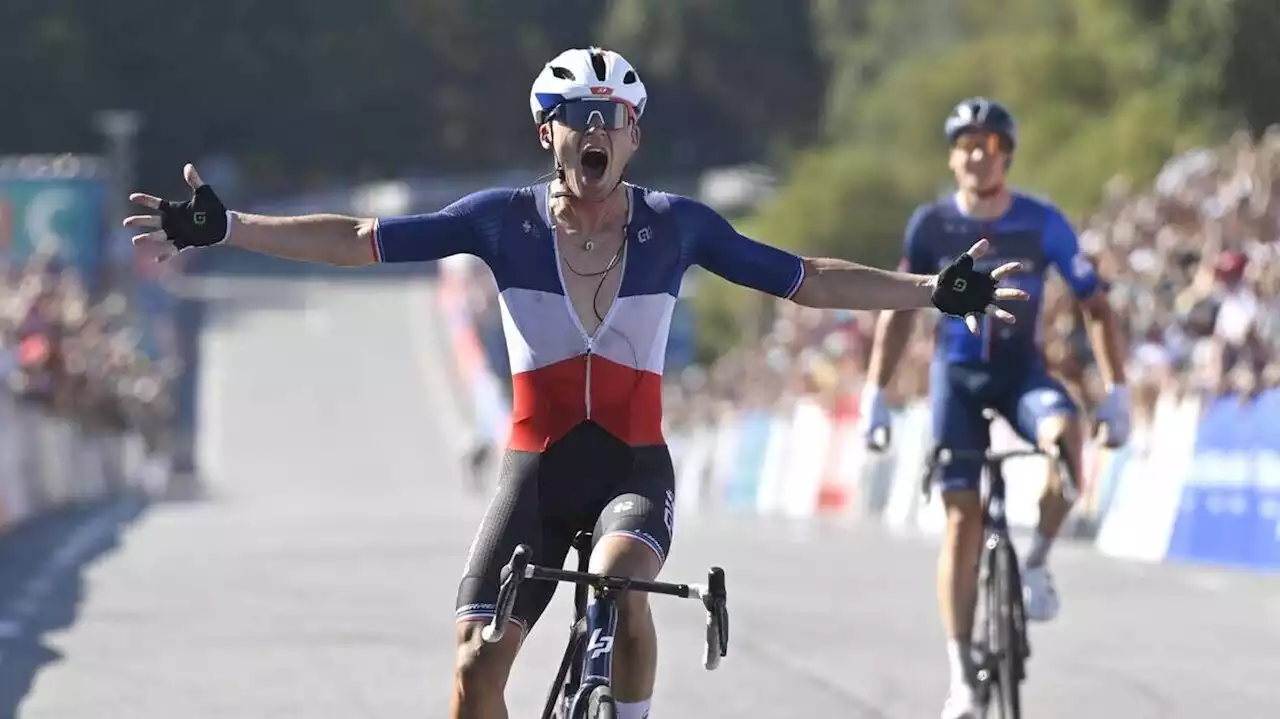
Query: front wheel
x=1006, y=630
x=600, y=704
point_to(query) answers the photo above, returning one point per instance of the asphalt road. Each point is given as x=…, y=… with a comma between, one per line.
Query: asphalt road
x=317, y=577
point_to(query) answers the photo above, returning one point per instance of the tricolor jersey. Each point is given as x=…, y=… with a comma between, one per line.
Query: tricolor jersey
x=561, y=375
x=1031, y=232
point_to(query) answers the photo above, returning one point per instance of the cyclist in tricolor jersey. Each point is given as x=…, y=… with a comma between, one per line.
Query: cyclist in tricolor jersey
x=588, y=267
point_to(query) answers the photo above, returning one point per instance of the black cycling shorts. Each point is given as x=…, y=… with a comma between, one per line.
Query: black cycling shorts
x=587, y=480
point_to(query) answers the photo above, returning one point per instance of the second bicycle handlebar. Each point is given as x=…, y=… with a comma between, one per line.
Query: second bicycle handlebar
x=943, y=456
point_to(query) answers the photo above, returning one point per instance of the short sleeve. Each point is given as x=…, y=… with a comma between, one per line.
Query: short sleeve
x=468, y=226
x=915, y=247
x=1062, y=249
x=713, y=244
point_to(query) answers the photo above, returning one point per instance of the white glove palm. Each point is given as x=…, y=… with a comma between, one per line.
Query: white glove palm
x=1114, y=414
x=874, y=417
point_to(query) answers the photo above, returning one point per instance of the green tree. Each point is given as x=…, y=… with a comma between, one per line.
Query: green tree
x=1099, y=90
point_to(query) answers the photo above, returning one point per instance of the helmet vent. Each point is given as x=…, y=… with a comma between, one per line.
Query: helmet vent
x=597, y=64
x=629, y=78
x=563, y=73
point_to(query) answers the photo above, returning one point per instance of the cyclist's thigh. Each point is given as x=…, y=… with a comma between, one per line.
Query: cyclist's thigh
x=514, y=517
x=642, y=506
x=958, y=424
x=1036, y=398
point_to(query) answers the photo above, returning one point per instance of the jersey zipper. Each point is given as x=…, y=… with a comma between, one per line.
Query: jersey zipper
x=587, y=338
x=590, y=348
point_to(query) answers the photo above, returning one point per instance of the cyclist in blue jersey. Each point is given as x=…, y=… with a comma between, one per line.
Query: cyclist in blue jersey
x=999, y=367
x=588, y=268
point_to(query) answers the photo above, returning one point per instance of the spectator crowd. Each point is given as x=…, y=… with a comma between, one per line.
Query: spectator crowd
x=79, y=359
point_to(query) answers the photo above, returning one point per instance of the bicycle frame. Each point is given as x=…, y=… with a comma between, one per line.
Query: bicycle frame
x=599, y=621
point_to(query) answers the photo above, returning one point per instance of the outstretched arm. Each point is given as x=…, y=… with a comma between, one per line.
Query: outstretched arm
x=823, y=283
x=321, y=238
x=839, y=284
x=326, y=239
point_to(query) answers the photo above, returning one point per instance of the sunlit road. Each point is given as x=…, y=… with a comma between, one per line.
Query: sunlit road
x=318, y=577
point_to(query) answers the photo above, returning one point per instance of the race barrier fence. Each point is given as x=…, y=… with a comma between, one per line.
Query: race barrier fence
x=48, y=462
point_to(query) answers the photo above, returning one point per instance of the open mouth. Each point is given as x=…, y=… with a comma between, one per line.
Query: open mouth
x=594, y=162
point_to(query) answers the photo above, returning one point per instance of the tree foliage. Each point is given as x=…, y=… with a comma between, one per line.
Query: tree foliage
x=1100, y=88
x=309, y=93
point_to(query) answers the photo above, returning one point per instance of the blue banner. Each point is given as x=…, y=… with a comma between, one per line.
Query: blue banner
x=60, y=214
x=1230, y=509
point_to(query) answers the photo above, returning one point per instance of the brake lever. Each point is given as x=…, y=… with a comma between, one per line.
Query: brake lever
x=510, y=579
x=716, y=602
x=938, y=458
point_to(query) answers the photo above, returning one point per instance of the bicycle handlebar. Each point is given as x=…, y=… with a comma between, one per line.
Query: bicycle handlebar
x=713, y=595
x=1058, y=455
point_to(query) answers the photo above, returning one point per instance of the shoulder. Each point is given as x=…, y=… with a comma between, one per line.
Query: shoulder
x=669, y=203
x=493, y=200
x=1039, y=208
x=925, y=214
x=693, y=221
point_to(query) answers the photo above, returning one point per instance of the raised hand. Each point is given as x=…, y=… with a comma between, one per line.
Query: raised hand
x=201, y=221
x=961, y=291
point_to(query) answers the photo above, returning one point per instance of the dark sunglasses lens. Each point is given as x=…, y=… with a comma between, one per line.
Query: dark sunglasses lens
x=585, y=113
x=990, y=141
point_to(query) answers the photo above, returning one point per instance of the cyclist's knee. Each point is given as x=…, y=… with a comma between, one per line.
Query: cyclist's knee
x=625, y=555
x=483, y=668
x=1057, y=428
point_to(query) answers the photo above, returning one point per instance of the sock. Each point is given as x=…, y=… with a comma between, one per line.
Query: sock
x=959, y=658
x=632, y=710
x=1039, y=553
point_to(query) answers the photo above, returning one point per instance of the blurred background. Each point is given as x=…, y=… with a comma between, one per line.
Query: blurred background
x=223, y=383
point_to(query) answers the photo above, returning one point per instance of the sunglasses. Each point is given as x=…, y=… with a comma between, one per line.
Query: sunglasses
x=583, y=114
x=988, y=141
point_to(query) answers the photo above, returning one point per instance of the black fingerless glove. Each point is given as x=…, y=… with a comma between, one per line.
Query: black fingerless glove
x=962, y=291
x=198, y=222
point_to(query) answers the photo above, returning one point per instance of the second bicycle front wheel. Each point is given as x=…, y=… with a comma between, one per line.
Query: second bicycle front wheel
x=1005, y=630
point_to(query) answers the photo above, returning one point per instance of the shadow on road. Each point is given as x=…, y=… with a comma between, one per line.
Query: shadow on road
x=42, y=566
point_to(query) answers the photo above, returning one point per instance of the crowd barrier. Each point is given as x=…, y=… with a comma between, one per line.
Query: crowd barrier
x=1199, y=484
x=1208, y=489
x=48, y=462
x=807, y=460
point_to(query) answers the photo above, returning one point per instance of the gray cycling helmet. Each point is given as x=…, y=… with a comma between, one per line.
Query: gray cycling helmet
x=980, y=113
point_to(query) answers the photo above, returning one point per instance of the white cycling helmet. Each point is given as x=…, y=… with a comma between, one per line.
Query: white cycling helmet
x=579, y=73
